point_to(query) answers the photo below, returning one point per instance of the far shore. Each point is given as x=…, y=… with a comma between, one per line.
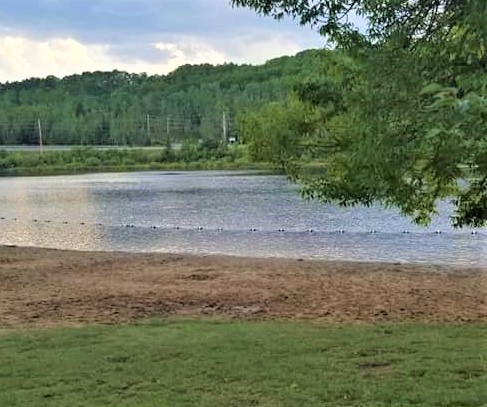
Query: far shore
x=180, y=167
x=44, y=287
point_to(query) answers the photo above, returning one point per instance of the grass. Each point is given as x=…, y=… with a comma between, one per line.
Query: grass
x=86, y=160
x=47, y=170
x=209, y=363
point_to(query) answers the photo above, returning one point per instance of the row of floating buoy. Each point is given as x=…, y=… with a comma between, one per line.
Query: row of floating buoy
x=200, y=228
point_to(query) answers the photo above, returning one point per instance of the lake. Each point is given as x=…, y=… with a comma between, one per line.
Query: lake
x=218, y=212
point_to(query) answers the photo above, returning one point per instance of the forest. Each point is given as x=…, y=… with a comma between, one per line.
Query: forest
x=120, y=108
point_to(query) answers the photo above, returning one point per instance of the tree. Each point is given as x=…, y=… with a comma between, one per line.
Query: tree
x=275, y=131
x=413, y=125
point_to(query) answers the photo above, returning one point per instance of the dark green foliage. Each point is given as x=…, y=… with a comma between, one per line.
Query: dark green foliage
x=118, y=108
x=404, y=119
x=207, y=154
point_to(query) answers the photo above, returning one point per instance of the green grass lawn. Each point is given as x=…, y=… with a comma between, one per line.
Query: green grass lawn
x=210, y=363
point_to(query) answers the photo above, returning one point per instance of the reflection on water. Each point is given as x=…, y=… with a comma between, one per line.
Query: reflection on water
x=29, y=206
x=215, y=212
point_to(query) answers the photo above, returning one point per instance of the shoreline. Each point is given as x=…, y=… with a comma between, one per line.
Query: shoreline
x=437, y=267
x=191, y=167
x=48, y=287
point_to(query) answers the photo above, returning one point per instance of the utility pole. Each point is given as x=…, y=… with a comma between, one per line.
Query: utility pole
x=39, y=126
x=229, y=126
x=224, y=123
x=167, y=125
x=148, y=127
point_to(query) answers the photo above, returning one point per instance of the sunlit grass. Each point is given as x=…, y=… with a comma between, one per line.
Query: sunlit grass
x=208, y=363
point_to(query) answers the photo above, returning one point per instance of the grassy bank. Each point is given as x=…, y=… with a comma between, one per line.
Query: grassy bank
x=47, y=170
x=192, y=156
x=204, y=363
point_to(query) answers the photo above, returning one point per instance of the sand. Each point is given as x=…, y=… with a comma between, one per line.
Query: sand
x=44, y=288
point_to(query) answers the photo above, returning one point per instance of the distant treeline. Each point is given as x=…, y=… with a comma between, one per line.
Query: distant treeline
x=119, y=108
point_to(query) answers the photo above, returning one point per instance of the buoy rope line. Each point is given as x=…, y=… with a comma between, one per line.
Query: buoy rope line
x=251, y=229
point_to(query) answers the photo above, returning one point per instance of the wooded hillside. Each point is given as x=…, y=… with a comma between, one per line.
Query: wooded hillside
x=135, y=109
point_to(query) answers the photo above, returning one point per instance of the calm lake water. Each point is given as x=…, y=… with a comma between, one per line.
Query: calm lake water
x=221, y=212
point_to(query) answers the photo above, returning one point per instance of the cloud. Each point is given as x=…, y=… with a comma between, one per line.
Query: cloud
x=20, y=57
x=117, y=20
x=61, y=37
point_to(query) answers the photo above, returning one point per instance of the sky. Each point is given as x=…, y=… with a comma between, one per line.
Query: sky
x=63, y=37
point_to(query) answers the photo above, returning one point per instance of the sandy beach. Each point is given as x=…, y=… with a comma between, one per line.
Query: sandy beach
x=42, y=287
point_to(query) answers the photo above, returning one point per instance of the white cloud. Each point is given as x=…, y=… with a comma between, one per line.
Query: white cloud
x=256, y=49
x=22, y=57
x=190, y=51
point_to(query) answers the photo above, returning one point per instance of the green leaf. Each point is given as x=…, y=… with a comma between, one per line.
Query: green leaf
x=432, y=89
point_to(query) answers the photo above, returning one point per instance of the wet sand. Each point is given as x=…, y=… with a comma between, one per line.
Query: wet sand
x=43, y=288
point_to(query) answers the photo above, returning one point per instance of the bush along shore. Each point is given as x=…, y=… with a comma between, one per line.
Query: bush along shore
x=203, y=155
